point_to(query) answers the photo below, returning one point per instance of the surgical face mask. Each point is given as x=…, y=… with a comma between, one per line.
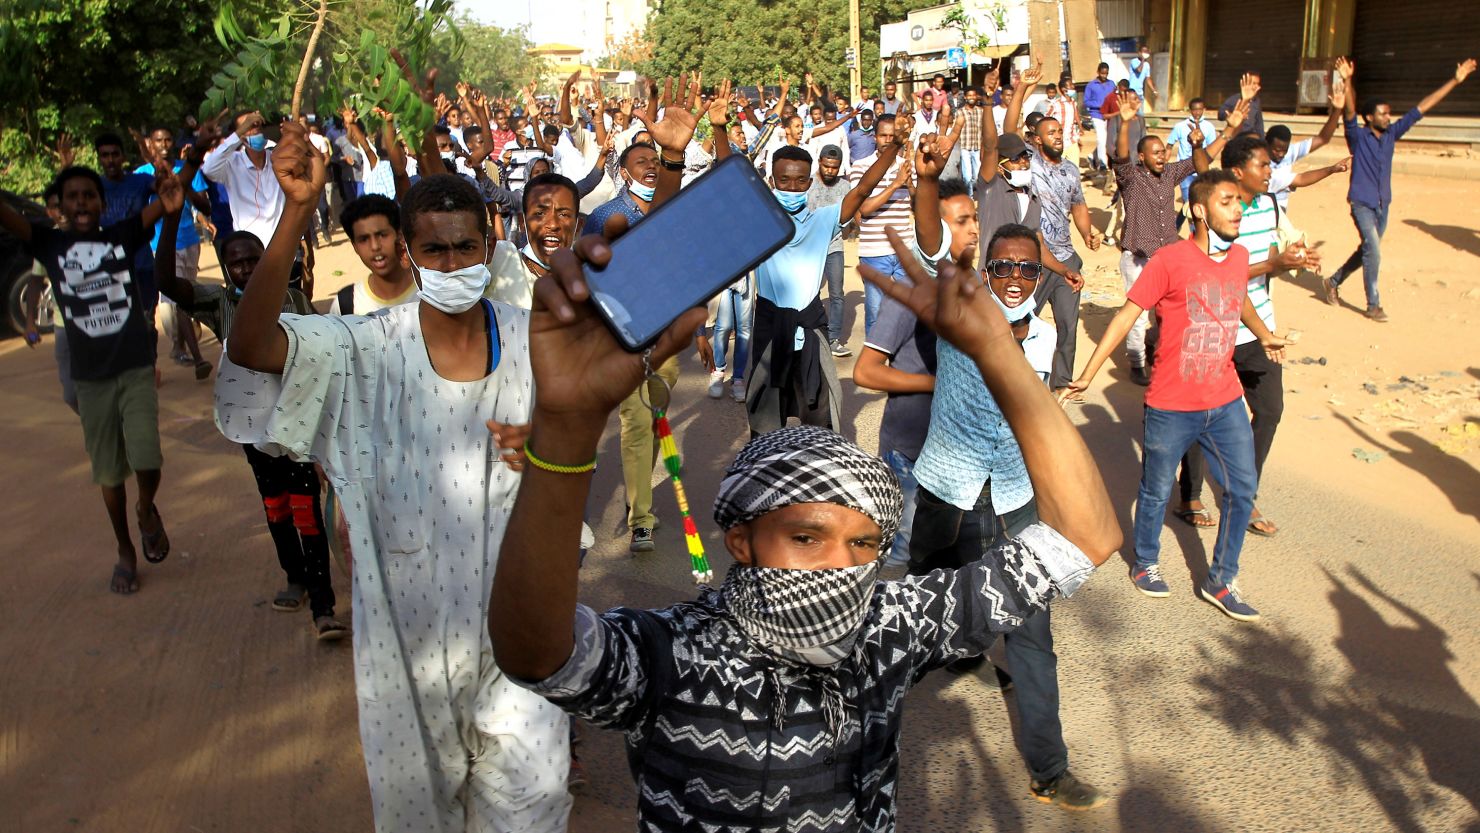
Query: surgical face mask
x=1217, y=245
x=533, y=254
x=1018, y=179
x=1069, y=93
x=792, y=201
x=454, y=292
x=449, y=157
x=257, y=141
x=641, y=191
x=1019, y=312
x=868, y=129
x=807, y=616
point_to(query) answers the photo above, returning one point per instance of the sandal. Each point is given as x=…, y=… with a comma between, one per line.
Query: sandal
x=330, y=629
x=129, y=576
x=156, y=543
x=290, y=599
x=1198, y=518
x=202, y=369
x=1269, y=532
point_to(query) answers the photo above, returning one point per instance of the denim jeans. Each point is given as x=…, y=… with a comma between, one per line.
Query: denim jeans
x=832, y=272
x=873, y=297
x=904, y=469
x=948, y=537
x=1371, y=225
x=971, y=166
x=1228, y=445
x=736, y=313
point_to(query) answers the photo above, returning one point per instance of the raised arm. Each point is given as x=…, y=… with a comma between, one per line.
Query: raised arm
x=1338, y=105
x=172, y=197
x=929, y=162
x=567, y=120
x=1462, y=71
x=1128, y=106
x=1066, y=482
x=1027, y=82
x=256, y=341
x=869, y=202
x=1346, y=69
x=989, y=126
x=1230, y=129
x=673, y=133
x=582, y=375
x=844, y=116
x=719, y=120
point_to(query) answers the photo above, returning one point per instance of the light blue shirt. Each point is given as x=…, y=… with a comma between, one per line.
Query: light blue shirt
x=792, y=278
x=187, y=235
x=1181, y=136
x=1140, y=71
x=970, y=443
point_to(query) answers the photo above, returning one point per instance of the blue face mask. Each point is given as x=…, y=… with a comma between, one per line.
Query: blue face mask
x=257, y=142
x=642, y=192
x=792, y=201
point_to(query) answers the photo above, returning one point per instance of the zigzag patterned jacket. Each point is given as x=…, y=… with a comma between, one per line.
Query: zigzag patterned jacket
x=722, y=736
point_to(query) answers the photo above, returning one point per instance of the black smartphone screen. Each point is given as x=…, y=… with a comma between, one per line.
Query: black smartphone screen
x=721, y=226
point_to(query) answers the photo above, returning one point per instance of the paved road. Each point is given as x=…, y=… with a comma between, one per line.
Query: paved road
x=193, y=707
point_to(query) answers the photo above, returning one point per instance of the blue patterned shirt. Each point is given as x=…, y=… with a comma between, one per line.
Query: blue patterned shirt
x=1056, y=184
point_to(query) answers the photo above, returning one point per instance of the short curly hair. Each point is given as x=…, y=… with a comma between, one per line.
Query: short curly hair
x=441, y=194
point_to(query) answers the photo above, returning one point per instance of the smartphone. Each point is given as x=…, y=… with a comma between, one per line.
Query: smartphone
x=724, y=224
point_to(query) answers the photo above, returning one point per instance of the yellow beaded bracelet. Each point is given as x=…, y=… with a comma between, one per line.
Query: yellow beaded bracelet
x=552, y=467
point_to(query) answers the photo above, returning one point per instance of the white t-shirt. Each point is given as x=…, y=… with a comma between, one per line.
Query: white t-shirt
x=426, y=498
x=513, y=282
x=366, y=301
x=1282, y=173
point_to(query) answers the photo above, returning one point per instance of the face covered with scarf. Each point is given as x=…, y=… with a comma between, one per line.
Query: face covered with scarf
x=808, y=517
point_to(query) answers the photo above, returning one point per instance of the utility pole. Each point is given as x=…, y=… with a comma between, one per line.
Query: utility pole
x=855, y=67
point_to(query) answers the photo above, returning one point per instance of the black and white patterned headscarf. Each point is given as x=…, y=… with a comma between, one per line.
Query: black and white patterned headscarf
x=807, y=464
x=808, y=616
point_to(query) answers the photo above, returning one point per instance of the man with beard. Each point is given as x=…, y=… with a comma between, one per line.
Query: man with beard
x=802, y=649
x=1199, y=289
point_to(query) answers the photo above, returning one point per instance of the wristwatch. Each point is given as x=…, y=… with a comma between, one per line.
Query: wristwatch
x=668, y=164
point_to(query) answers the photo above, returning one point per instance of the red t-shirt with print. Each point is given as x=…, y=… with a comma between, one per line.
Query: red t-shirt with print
x=1198, y=301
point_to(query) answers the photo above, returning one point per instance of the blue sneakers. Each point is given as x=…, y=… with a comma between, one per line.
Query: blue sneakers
x=1149, y=581
x=1226, y=598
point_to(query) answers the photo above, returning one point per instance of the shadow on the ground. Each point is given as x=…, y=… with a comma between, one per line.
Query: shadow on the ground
x=1370, y=724
x=1453, y=476
x=1464, y=239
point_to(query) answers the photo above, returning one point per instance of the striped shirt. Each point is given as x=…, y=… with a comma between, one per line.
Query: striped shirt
x=895, y=214
x=1259, y=230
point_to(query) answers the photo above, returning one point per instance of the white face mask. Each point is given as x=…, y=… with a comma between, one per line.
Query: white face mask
x=1018, y=179
x=453, y=292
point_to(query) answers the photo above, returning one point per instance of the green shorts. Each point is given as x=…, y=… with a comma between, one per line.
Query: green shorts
x=120, y=424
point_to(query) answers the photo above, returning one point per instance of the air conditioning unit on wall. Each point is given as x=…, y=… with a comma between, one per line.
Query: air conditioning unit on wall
x=1315, y=87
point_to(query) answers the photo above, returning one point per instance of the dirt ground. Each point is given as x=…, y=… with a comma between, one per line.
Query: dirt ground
x=192, y=706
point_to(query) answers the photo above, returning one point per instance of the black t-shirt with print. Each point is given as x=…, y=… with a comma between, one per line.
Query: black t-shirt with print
x=109, y=327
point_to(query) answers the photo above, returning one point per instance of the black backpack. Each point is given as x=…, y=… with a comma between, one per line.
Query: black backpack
x=346, y=297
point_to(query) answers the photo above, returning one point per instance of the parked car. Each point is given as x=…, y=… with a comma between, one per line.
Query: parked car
x=15, y=267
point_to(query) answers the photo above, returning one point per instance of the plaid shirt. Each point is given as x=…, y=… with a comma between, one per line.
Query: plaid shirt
x=1150, y=212
x=971, y=134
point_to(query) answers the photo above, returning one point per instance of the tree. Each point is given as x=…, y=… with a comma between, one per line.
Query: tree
x=345, y=46
x=748, y=41
x=83, y=66
x=628, y=53
x=494, y=59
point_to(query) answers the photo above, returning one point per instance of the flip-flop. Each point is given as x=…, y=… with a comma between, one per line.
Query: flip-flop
x=289, y=599
x=157, y=543
x=120, y=571
x=1187, y=515
x=330, y=629
x=1262, y=533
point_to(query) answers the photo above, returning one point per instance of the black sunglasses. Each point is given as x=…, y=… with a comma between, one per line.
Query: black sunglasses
x=1028, y=269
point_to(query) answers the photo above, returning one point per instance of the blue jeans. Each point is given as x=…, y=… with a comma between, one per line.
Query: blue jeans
x=1371, y=225
x=873, y=297
x=832, y=273
x=904, y=469
x=1228, y=446
x=736, y=313
x=971, y=166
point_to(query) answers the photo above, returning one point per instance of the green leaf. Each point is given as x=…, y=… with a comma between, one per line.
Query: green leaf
x=285, y=24
x=234, y=70
x=341, y=58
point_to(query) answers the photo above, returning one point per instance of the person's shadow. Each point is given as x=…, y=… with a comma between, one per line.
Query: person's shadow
x=1464, y=239
x=1457, y=479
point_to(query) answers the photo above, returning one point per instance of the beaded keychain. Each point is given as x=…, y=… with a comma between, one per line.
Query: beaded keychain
x=703, y=574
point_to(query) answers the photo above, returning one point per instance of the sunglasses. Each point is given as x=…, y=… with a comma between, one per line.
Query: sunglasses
x=1029, y=270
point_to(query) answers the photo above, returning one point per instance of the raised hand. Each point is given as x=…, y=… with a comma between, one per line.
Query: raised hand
x=1032, y=75
x=785, y=88
x=1130, y=104
x=426, y=88
x=1237, y=115
x=1196, y=137
x=1248, y=86
x=993, y=80
x=298, y=167
x=1337, y=98
x=957, y=305
x=580, y=370
x=1343, y=166
x=349, y=116
x=719, y=106
x=680, y=116
x=167, y=187
x=249, y=121
x=64, y=154
x=929, y=161
x=1463, y=69
x=1345, y=68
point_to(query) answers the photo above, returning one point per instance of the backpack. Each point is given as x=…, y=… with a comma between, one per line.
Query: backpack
x=346, y=298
